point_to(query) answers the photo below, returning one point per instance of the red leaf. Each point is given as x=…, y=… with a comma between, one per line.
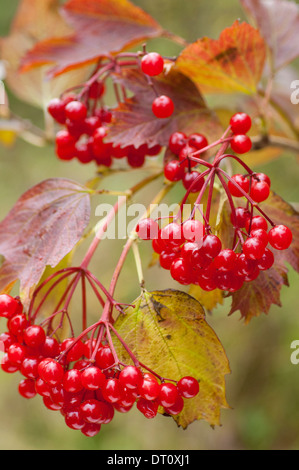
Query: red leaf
x=278, y=22
x=41, y=229
x=233, y=63
x=100, y=28
x=134, y=122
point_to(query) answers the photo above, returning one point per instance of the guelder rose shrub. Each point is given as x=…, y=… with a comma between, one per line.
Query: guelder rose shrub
x=231, y=236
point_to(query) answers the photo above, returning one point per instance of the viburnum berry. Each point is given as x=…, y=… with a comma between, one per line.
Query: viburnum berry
x=257, y=222
x=111, y=390
x=193, y=181
x=74, y=348
x=17, y=324
x=197, y=141
x=173, y=171
x=9, y=306
x=92, y=378
x=34, y=336
x=172, y=234
x=130, y=377
x=147, y=407
x=176, y=408
x=266, y=261
x=280, y=237
x=51, y=372
x=96, y=90
x=193, y=230
x=188, y=387
x=149, y=388
x=104, y=357
x=76, y=111
x=16, y=353
x=180, y=271
x=240, y=123
x=241, y=143
x=177, y=141
x=211, y=245
x=259, y=191
x=240, y=217
x=163, y=107
x=72, y=381
x=152, y=64
x=241, y=181
x=7, y=366
x=27, y=388
x=147, y=229
x=253, y=248
x=56, y=108
x=168, y=394
x=29, y=367
x=225, y=260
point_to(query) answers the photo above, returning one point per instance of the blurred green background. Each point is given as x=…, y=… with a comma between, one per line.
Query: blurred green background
x=263, y=388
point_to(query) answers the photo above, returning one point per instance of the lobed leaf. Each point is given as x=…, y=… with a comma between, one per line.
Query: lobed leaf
x=40, y=230
x=168, y=332
x=233, y=63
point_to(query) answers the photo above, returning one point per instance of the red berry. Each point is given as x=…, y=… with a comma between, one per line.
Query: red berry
x=149, y=388
x=253, y=248
x=280, y=237
x=34, y=336
x=8, y=306
x=193, y=231
x=172, y=234
x=193, y=181
x=163, y=107
x=29, y=367
x=173, y=171
x=7, y=366
x=176, y=408
x=74, y=419
x=177, y=141
x=50, y=347
x=185, y=155
x=166, y=258
x=188, y=387
x=168, y=394
x=240, y=123
x=104, y=357
x=259, y=191
x=256, y=222
x=52, y=372
x=197, y=141
x=241, y=182
x=92, y=378
x=262, y=177
x=16, y=353
x=181, y=272
x=130, y=377
x=17, y=324
x=241, y=217
x=74, y=348
x=225, y=261
x=152, y=64
x=261, y=234
x=266, y=261
x=96, y=90
x=241, y=143
x=56, y=108
x=42, y=388
x=147, y=229
x=76, y=111
x=91, y=429
x=72, y=381
x=111, y=390
x=148, y=408
x=27, y=388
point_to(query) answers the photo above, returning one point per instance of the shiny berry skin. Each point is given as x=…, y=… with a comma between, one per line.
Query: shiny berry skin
x=173, y=171
x=104, y=357
x=152, y=64
x=7, y=366
x=147, y=229
x=130, y=377
x=188, y=387
x=163, y=107
x=74, y=348
x=91, y=410
x=149, y=388
x=96, y=90
x=241, y=217
x=52, y=372
x=50, y=347
x=197, y=141
x=261, y=234
x=253, y=248
x=262, y=177
x=16, y=353
x=42, y=388
x=280, y=237
x=64, y=139
x=6, y=340
x=211, y=245
x=168, y=394
x=193, y=230
x=17, y=324
x=192, y=181
x=177, y=141
x=72, y=381
x=74, y=419
x=167, y=258
x=241, y=143
x=27, y=388
x=176, y=408
x=240, y=180
x=148, y=408
x=56, y=109
x=92, y=378
x=76, y=111
x=257, y=222
x=185, y=155
x=225, y=261
x=91, y=429
x=244, y=266
x=266, y=261
x=240, y=123
x=172, y=234
x=34, y=336
x=259, y=191
x=29, y=367
x=181, y=271
x=111, y=390
x=8, y=306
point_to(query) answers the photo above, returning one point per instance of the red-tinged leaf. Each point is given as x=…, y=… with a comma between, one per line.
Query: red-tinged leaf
x=34, y=21
x=278, y=22
x=44, y=225
x=233, y=63
x=135, y=124
x=99, y=29
x=257, y=297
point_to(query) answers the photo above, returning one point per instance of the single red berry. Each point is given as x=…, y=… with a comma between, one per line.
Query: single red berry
x=166, y=258
x=64, y=139
x=193, y=181
x=241, y=143
x=168, y=394
x=6, y=340
x=172, y=234
x=241, y=217
x=34, y=336
x=96, y=90
x=163, y=107
x=91, y=410
x=148, y=408
x=177, y=141
x=211, y=245
x=48, y=402
x=176, y=408
x=261, y=234
x=74, y=348
x=135, y=158
x=7, y=366
x=50, y=347
x=280, y=237
x=149, y=388
x=8, y=306
x=92, y=378
x=240, y=123
x=147, y=229
x=56, y=109
x=173, y=171
x=152, y=64
x=91, y=429
x=225, y=261
x=181, y=272
x=74, y=419
x=16, y=353
x=158, y=245
x=266, y=261
x=42, y=388
x=199, y=259
x=29, y=367
x=197, y=141
x=253, y=248
x=262, y=177
x=193, y=231
x=76, y=111
x=104, y=357
x=27, y=388
x=130, y=377
x=238, y=182
x=111, y=390
x=244, y=266
x=52, y=372
x=72, y=381
x=17, y=324
x=188, y=387
x=256, y=222
x=259, y=191
x=185, y=156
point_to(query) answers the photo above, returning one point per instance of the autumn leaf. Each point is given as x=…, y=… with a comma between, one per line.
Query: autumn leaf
x=135, y=124
x=168, y=332
x=40, y=230
x=256, y=297
x=99, y=29
x=232, y=63
x=278, y=22
x=34, y=21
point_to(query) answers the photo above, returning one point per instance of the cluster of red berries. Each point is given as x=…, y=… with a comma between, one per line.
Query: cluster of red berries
x=85, y=129
x=85, y=385
x=240, y=124
x=179, y=168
